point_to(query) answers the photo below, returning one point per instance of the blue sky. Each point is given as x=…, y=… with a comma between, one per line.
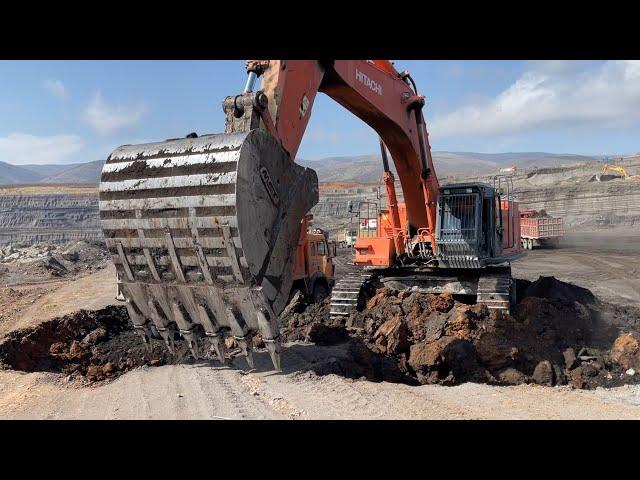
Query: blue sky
x=77, y=111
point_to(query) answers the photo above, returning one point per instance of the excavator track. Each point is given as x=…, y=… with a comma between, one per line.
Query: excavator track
x=497, y=289
x=202, y=231
x=492, y=286
x=347, y=294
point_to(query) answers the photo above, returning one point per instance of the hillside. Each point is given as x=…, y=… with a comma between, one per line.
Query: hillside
x=79, y=173
x=11, y=174
x=367, y=168
x=28, y=174
x=360, y=169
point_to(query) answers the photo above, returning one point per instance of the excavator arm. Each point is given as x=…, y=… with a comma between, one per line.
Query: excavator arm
x=202, y=230
x=377, y=94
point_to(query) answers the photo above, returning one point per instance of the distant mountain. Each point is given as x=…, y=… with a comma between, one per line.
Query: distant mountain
x=79, y=173
x=360, y=168
x=10, y=174
x=73, y=173
x=368, y=168
x=48, y=170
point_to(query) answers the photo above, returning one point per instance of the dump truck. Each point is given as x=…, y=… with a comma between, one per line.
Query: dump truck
x=347, y=238
x=203, y=229
x=313, y=268
x=539, y=229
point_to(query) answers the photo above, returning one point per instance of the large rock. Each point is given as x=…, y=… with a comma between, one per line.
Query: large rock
x=95, y=336
x=495, y=351
x=418, y=304
x=392, y=337
x=449, y=359
x=462, y=321
x=543, y=373
x=570, y=359
x=380, y=296
x=626, y=351
x=511, y=376
x=558, y=375
x=428, y=328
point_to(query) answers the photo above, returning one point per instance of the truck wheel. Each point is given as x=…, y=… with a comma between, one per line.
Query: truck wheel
x=319, y=293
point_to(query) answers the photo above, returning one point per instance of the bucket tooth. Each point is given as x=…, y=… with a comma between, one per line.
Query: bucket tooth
x=145, y=333
x=192, y=341
x=246, y=345
x=218, y=345
x=167, y=335
x=273, y=346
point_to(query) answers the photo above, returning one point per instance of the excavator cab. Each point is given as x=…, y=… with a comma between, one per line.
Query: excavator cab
x=477, y=225
x=469, y=229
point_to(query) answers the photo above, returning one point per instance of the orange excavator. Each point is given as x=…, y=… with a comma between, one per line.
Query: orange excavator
x=203, y=229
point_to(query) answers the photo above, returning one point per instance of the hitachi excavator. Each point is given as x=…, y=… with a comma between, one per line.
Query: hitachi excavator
x=203, y=229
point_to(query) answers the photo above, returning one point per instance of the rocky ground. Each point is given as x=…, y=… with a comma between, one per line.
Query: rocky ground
x=559, y=334
x=45, y=261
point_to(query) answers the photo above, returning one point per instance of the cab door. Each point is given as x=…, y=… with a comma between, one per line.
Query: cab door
x=324, y=262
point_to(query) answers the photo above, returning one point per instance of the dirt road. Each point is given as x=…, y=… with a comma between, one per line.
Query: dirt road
x=607, y=263
x=54, y=299
x=209, y=391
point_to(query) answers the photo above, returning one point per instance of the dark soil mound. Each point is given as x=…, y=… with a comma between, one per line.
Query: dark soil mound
x=558, y=334
x=552, y=288
x=436, y=339
x=93, y=345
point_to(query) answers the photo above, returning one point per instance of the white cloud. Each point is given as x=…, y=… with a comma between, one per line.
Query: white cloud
x=22, y=148
x=107, y=119
x=551, y=95
x=56, y=88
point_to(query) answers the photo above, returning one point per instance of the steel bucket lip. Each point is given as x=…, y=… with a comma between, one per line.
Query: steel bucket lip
x=147, y=151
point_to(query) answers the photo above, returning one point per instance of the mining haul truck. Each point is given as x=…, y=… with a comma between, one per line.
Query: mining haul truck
x=538, y=229
x=347, y=238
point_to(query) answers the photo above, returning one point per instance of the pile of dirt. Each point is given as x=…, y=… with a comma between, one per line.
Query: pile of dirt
x=558, y=334
x=47, y=260
x=86, y=345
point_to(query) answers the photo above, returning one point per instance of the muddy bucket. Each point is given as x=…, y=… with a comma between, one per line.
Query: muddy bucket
x=203, y=233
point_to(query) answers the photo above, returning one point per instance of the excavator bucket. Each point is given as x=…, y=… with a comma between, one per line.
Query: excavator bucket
x=202, y=232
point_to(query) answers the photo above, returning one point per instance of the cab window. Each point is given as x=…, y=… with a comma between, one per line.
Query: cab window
x=322, y=250
x=313, y=249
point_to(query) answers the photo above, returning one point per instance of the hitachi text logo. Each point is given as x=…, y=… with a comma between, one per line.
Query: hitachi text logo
x=362, y=78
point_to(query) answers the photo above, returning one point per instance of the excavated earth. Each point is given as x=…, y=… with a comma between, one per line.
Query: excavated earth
x=86, y=345
x=45, y=261
x=558, y=334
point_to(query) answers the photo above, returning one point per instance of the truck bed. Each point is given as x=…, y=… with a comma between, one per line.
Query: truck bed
x=541, y=227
